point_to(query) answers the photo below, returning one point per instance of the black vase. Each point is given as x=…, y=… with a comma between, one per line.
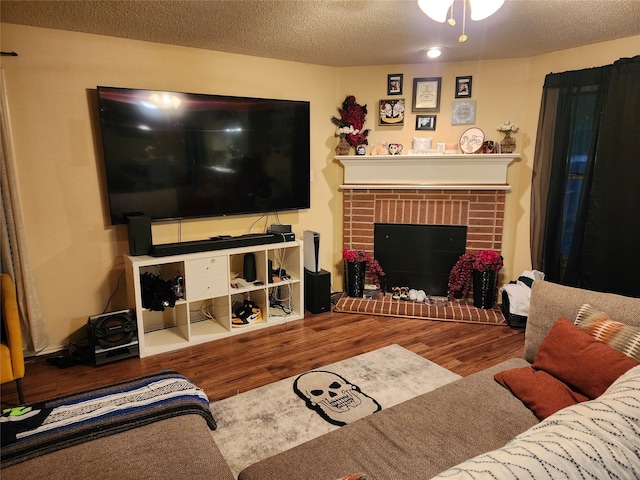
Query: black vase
x=354, y=273
x=484, y=288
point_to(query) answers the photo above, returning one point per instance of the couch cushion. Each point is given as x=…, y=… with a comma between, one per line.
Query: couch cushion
x=571, y=367
x=594, y=439
x=622, y=337
x=583, y=363
x=415, y=439
x=550, y=301
x=543, y=393
x=178, y=447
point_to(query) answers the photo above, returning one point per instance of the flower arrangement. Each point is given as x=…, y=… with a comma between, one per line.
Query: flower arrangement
x=349, y=255
x=351, y=122
x=460, y=275
x=508, y=127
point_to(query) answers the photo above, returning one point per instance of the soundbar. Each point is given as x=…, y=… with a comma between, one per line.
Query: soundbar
x=219, y=243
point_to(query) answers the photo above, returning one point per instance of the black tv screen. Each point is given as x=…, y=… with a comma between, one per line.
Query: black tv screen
x=172, y=155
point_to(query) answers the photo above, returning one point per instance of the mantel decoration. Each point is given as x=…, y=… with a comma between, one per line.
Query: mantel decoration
x=355, y=266
x=508, y=143
x=482, y=268
x=350, y=125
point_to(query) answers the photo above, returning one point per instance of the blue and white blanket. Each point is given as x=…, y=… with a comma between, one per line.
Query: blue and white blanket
x=33, y=430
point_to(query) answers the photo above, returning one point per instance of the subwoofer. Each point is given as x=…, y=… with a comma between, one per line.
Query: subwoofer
x=113, y=336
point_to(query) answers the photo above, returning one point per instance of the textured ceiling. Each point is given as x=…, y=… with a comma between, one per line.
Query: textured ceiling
x=335, y=32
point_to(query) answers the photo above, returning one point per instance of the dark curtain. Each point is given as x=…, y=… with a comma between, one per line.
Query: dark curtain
x=591, y=119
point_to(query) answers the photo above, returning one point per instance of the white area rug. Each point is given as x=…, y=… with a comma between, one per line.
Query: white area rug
x=260, y=423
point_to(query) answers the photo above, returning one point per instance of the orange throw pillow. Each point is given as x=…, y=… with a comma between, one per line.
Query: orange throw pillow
x=586, y=365
x=570, y=367
x=542, y=393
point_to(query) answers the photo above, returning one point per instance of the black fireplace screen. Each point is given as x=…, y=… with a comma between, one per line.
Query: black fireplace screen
x=418, y=256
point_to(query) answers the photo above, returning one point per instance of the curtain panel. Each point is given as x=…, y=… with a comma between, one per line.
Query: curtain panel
x=591, y=118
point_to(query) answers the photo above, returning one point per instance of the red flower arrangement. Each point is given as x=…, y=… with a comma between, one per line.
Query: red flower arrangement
x=352, y=114
x=460, y=275
x=487, y=260
x=349, y=255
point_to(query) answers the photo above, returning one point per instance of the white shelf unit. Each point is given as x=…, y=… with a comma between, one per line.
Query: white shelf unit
x=205, y=312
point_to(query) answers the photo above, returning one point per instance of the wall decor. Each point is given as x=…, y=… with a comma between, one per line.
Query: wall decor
x=394, y=84
x=425, y=122
x=426, y=94
x=472, y=140
x=463, y=87
x=463, y=113
x=391, y=111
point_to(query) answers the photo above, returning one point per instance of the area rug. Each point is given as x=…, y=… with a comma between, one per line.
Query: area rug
x=457, y=310
x=260, y=423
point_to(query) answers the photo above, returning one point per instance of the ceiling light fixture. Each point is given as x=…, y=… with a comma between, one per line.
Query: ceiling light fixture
x=434, y=52
x=480, y=9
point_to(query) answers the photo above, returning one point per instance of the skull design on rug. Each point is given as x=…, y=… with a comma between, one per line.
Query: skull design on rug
x=335, y=399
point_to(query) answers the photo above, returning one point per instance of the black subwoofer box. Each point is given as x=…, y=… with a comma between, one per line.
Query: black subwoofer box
x=113, y=336
x=317, y=291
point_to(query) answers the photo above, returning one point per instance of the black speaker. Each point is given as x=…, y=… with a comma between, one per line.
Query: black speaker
x=249, y=268
x=139, y=229
x=113, y=336
x=317, y=291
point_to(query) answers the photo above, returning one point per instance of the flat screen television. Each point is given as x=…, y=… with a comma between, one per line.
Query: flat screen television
x=171, y=155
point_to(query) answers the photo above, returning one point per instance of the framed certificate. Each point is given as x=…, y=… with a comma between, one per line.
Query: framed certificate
x=426, y=94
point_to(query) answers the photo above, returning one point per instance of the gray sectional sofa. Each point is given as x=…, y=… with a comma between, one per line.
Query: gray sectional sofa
x=424, y=436
x=444, y=433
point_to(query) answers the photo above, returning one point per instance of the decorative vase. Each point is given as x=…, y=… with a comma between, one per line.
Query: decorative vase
x=343, y=147
x=484, y=288
x=354, y=273
x=508, y=144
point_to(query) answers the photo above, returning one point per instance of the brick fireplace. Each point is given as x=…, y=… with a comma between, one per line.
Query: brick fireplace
x=465, y=189
x=481, y=211
x=468, y=190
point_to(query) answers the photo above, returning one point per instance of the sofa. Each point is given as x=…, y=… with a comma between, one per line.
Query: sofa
x=456, y=430
x=471, y=428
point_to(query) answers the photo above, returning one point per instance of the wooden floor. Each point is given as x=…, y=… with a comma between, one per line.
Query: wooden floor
x=242, y=362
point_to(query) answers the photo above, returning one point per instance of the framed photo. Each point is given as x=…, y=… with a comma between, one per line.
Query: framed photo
x=425, y=122
x=391, y=111
x=426, y=94
x=463, y=113
x=394, y=84
x=463, y=87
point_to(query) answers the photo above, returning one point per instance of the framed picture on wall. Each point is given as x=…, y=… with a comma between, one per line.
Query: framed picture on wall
x=391, y=111
x=463, y=113
x=426, y=94
x=394, y=84
x=425, y=122
x=463, y=87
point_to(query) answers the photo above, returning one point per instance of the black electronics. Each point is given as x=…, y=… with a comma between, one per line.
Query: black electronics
x=280, y=228
x=317, y=291
x=176, y=155
x=311, y=251
x=249, y=267
x=113, y=336
x=220, y=243
x=139, y=230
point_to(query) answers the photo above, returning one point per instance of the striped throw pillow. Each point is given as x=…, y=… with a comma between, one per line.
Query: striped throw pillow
x=619, y=336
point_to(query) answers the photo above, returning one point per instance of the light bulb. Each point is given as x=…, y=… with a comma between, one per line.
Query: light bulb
x=434, y=52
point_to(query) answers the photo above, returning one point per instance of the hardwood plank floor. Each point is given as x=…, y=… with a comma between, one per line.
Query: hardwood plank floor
x=242, y=362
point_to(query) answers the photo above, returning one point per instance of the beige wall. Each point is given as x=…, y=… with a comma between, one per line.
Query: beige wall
x=77, y=256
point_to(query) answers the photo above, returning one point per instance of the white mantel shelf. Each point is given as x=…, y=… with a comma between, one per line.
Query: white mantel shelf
x=427, y=172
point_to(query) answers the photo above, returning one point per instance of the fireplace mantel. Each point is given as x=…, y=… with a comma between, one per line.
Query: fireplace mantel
x=427, y=172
